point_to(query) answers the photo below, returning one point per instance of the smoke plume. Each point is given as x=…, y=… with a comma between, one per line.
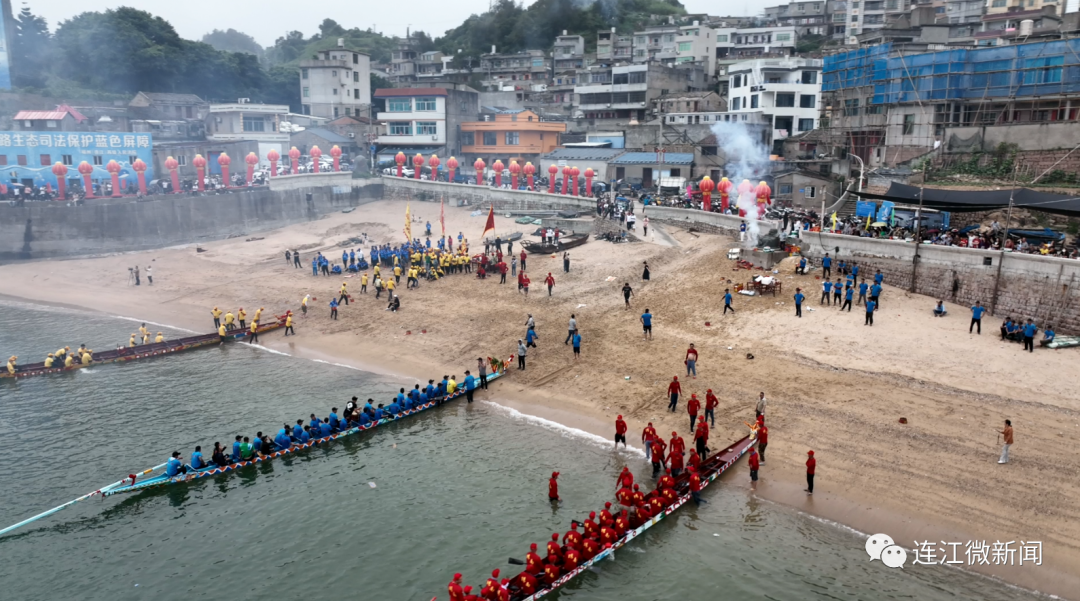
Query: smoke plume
x=747, y=159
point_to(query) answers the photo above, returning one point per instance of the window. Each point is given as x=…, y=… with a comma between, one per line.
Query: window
x=874, y=109
x=333, y=73
x=685, y=46
x=512, y=138
x=50, y=123
x=254, y=124
x=785, y=189
x=890, y=4
x=46, y=160
x=491, y=138
x=806, y=124
x=22, y=160
x=807, y=101
x=348, y=111
x=468, y=138
x=181, y=160
x=425, y=104
x=675, y=173
x=303, y=73
x=854, y=18
x=811, y=192
x=307, y=92
x=356, y=94
x=736, y=104
x=786, y=99
x=809, y=77
x=355, y=75
x=721, y=38
x=64, y=158
x=399, y=105
x=356, y=58
x=335, y=91
x=187, y=110
x=335, y=110
x=97, y=160
x=851, y=107
x=909, y=124
x=998, y=4
x=708, y=151
x=754, y=101
x=783, y=37
x=736, y=81
x=839, y=17
x=400, y=128
x=620, y=78
x=3, y=160
x=427, y=128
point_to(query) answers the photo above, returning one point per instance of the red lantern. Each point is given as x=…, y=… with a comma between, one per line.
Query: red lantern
x=251, y=159
x=86, y=169
x=400, y=159
x=763, y=192
x=515, y=169
x=316, y=154
x=479, y=166
x=434, y=162
x=60, y=171
x=335, y=153
x=140, y=170
x=223, y=160
x=273, y=157
x=200, y=170
x=744, y=187
x=589, y=175
x=294, y=158
x=566, y=180
x=553, y=172
x=574, y=173
x=451, y=166
x=114, y=170
x=418, y=165
x=171, y=164
x=530, y=170
x=706, y=186
x=498, y=168
x=724, y=187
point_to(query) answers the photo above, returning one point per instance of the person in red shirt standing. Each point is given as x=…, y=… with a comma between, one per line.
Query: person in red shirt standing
x=572, y=538
x=647, y=436
x=658, y=459
x=521, y=280
x=701, y=438
x=533, y=564
x=676, y=463
x=692, y=407
x=711, y=403
x=694, y=463
x=626, y=479
x=691, y=361
x=673, y=390
x=525, y=281
x=553, y=547
x=625, y=496
x=754, y=465
x=762, y=440
x=811, y=465
x=502, y=272
x=456, y=594
x=639, y=497
x=553, y=487
x=523, y=260
x=620, y=432
x=695, y=487
x=549, y=282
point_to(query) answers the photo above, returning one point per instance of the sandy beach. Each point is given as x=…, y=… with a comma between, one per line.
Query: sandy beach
x=834, y=385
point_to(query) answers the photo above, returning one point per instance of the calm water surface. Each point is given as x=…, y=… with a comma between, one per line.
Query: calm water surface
x=460, y=488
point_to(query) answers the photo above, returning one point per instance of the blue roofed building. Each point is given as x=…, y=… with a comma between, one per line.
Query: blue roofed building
x=27, y=157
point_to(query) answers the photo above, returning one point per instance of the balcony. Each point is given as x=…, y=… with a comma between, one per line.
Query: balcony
x=340, y=64
x=503, y=150
x=410, y=140
x=254, y=136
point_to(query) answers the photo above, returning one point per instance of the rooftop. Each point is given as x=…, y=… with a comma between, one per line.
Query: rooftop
x=398, y=92
x=327, y=135
x=650, y=158
x=583, y=154
x=61, y=111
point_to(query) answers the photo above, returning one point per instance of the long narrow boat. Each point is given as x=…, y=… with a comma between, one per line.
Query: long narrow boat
x=711, y=469
x=141, y=351
x=213, y=470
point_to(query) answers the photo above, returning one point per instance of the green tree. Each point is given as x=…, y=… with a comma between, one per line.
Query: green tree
x=231, y=40
x=30, y=50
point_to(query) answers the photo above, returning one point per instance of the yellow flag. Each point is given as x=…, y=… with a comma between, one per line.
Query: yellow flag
x=868, y=222
x=834, y=221
x=408, y=224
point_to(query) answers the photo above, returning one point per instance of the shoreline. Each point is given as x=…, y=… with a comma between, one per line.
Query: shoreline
x=848, y=494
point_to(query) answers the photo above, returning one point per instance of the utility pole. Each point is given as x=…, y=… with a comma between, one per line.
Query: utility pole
x=1005, y=237
x=918, y=233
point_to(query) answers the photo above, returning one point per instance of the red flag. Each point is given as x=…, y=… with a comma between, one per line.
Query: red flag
x=490, y=225
x=442, y=215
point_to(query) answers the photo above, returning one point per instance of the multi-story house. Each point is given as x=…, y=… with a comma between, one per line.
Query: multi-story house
x=755, y=41
x=838, y=19
x=656, y=44
x=508, y=134
x=994, y=7
x=423, y=120
x=864, y=15
x=632, y=90
x=961, y=11
x=787, y=91
x=614, y=48
x=336, y=83
x=402, y=66
x=430, y=65
x=697, y=43
x=507, y=72
x=808, y=17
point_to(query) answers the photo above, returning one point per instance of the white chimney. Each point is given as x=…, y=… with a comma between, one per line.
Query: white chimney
x=696, y=23
x=493, y=48
x=341, y=42
x=612, y=30
x=564, y=32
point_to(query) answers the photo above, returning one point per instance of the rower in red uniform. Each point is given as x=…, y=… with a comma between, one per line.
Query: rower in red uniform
x=571, y=560
x=592, y=529
x=491, y=587
x=526, y=583
x=626, y=479
x=695, y=487
x=553, y=487
x=692, y=407
x=608, y=535
x=469, y=596
x=605, y=514
x=694, y=462
x=620, y=432
x=711, y=403
x=504, y=592
x=658, y=460
x=533, y=564
x=701, y=438
x=456, y=594
x=676, y=463
x=656, y=503
x=676, y=449
x=551, y=572
x=666, y=481
x=647, y=436
x=553, y=547
x=639, y=497
x=589, y=548
x=625, y=496
x=622, y=523
x=572, y=538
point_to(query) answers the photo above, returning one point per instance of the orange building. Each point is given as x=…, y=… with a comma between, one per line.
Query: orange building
x=510, y=134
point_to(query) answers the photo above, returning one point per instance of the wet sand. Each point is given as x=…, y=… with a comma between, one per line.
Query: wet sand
x=834, y=385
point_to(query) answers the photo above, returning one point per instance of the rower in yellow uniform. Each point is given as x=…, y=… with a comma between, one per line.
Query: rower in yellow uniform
x=63, y=353
x=258, y=315
x=69, y=361
x=87, y=357
x=132, y=341
x=376, y=271
x=159, y=338
x=49, y=360
x=146, y=337
x=397, y=274
x=242, y=317
x=343, y=294
x=221, y=332
x=217, y=316
x=363, y=283
x=288, y=324
x=11, y=365
x=229, y=321
x=253, y=333
x=389, y=287
x=143, y=332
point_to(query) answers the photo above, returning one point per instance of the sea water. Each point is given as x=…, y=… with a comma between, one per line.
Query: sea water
x=460, y=488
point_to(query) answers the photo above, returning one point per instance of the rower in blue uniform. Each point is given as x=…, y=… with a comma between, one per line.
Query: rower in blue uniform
x=305, y=437
x=394, y=408
x=298, y=430
x=400, y=396
x=378, y=413
x=236, y=449
x=197, y=459
x=258, y=444
x=335, y=421
x=430, y=389
x=325, y=430
x=175, y=467
x=282, y=440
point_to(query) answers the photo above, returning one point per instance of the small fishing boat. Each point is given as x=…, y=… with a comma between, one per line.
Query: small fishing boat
x=563, y=244
x=141, y=351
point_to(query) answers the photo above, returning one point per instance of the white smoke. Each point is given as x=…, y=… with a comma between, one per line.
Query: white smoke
x=747, y=159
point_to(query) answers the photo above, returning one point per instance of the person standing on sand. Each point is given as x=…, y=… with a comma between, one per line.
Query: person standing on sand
x=691, y=361
x=296, y=258
x=577, y=344
x=711, y=402
x=870, y=306
x=217, y=316
x=645, y=274
x=620, y=432
x=645, y=227
x=627, y=292
x=759, y=410
x=692, y=407
x=333, y=308
x=149, y=276
x=523, y=258
x=136, y=275
x=811, y=467
x=976, y=316
x=566, y=262
x=521, y=354
x=826, y=288
x=826, y=267
x=727, y=301
x=1007, y=434
x=799, y=297
x=572, y=325
x=646, y=325
x=549, y=281
x=481, y=366
x=288, y=324
x=673, y=389
x=763, y=440
x=648, y=435
x=288, y=256
x=754, y=466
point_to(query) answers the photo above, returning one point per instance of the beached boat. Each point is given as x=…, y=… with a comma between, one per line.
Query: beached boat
x=563, y=244
x=711, y=469
x=133, y=485
x=141, y=351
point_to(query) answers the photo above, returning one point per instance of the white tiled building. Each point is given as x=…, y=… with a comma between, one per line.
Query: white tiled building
x=337, y=83
x=785, y=90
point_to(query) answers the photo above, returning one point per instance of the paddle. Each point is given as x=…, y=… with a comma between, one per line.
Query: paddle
x=516, y=562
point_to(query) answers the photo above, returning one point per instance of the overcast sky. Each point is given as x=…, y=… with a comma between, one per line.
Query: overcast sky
x=266, y=20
